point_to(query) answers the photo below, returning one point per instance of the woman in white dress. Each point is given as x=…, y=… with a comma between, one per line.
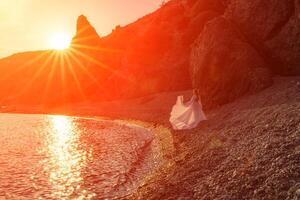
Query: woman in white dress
x=187, y=115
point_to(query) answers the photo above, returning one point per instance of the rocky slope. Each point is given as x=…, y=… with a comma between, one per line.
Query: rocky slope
x=250, y=39
x=148, y=56
x=248, y=149
x=225, y=66
x=223, y=48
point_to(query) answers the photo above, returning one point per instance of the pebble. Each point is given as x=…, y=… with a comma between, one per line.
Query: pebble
x=234, y=173
x=297, y=193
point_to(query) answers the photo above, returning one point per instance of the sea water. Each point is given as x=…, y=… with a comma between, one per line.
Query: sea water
x=60, y=157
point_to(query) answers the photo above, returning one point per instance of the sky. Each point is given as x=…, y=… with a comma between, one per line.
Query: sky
x=28, y=25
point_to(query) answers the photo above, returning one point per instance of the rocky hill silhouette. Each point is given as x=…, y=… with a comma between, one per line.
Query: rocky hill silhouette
x=223, y=48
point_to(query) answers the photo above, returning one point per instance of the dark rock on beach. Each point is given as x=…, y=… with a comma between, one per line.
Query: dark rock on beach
x=272, y=27
x=259, y=19
x=225, y=66
x=286, y=45
x=269, y=28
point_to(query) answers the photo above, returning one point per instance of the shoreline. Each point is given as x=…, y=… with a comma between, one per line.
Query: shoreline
x=248, y=149
x=161, y=147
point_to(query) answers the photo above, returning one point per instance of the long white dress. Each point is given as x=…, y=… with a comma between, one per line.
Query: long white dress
x=186, y=115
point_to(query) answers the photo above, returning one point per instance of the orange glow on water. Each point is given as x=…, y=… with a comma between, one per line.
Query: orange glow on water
x=60, y=157
x=66, y=160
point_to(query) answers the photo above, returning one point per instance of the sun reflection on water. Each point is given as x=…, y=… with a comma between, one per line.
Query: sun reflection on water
x=65, y=160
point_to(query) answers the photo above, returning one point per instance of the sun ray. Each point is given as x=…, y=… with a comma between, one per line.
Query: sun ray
x=27, y=86
x=37, y=73
x=96, y=48
x=98, y=63
x=18, y=68
x=74, y=75
x=82, y=30
x=61, y=65
x=50, y=77
x=84, y=39
x=62, y=75
x=82, y=67
x=106, y=67
x=90, y=59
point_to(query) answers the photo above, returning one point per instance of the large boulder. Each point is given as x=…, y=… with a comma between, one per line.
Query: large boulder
x=196, y=25
x=198, y=6
x=272, y=26
x=225, y=66
x=259, y=19
x=285, y=45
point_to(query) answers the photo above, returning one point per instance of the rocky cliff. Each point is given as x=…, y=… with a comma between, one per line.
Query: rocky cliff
x=148, y=56
x=86, y=36
x=223, y=48
x=239, y=51
x=156, y=48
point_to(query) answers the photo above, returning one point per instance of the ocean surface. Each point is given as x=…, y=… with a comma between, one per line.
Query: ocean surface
x=60, y=157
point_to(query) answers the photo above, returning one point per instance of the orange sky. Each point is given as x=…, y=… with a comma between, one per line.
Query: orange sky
x=30, y=24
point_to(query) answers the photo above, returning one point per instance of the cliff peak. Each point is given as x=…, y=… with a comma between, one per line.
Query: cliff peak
x=86, y=35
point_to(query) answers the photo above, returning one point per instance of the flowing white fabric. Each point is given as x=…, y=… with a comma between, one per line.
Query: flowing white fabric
x=186, y=115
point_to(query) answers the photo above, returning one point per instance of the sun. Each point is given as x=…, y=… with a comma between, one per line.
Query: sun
x=59, y=41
